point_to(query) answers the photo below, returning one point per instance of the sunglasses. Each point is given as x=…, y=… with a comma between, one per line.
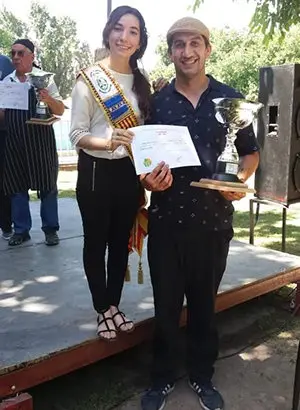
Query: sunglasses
x=19, y=53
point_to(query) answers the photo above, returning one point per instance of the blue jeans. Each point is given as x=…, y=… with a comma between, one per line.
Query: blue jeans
x=21, y=213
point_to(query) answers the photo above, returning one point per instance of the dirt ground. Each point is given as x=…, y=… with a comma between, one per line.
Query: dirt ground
x=258, y=347
x=259, y=377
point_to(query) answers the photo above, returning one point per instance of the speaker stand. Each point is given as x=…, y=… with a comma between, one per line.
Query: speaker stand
x=295, y=302
x=253, y=221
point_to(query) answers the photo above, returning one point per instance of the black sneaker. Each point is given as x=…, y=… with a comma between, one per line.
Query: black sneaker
x=51, y=239
x=209, y=397
x=155, y=399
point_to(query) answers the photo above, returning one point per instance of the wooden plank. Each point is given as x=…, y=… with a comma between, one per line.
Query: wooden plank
x=223, y=183
x=297, y=300
x=48, y=121
x=228, y=299
x=68, y=360
x=21, y=402
x=222, y=186
x=71, y=359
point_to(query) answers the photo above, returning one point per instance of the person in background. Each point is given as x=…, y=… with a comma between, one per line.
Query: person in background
x=6, y=68
x=31, y=160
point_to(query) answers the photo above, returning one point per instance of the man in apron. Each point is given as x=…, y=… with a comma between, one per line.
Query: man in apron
x=31, y=160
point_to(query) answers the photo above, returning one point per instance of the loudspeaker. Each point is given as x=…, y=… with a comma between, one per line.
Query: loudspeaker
x=278, y=133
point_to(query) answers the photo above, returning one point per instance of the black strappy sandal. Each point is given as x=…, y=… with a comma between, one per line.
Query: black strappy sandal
x=107, y=321
x=125, y=321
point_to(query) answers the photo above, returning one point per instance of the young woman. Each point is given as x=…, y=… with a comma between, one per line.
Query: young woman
x=108, y=98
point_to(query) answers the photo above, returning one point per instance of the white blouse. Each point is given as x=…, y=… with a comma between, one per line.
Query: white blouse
x=87, y=118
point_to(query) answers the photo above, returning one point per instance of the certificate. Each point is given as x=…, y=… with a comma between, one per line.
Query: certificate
x=169, y=143
x=14, y=95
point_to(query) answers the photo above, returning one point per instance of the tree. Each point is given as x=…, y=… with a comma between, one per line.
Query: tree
x=5, y=42
x=58, y=49
x=16, y=27
x=164, y=68
x=271, y=16
x=11, y=28
x=83, y=56
x=238, y=56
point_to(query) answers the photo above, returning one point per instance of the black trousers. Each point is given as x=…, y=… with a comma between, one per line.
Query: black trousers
x=5, y=203
x=187, y=263
x=108, y=197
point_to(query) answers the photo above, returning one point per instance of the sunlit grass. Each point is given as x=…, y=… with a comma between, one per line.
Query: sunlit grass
x=267, y=231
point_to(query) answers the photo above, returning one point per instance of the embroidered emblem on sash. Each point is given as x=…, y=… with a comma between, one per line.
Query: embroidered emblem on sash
x=102, y=82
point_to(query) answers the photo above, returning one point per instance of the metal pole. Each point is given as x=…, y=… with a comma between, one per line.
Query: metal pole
x=283, y=241
x=109, y=6
x=251, y=233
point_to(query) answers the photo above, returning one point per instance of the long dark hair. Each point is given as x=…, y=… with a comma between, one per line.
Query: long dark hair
x=141, y=86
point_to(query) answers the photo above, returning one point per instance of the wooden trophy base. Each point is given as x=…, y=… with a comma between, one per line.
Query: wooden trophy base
x=223, y=186
x=38, y=121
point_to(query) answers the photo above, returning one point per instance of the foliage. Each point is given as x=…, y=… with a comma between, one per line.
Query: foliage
x=11, y=28
x=164, y=68
x=270, y=16
x=58, y=49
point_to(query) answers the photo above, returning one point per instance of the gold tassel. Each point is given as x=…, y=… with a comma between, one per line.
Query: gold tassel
x=127, y=274
x=140, y=273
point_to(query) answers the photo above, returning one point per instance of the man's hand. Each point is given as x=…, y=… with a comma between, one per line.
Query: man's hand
x=56, y=107
x=232, y=196
x=44, y=96
x=159, y=179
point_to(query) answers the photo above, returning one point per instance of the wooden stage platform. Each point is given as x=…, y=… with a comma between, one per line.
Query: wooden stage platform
x=47, y=324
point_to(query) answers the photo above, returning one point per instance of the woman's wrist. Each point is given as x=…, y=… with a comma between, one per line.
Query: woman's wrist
x=109, y=146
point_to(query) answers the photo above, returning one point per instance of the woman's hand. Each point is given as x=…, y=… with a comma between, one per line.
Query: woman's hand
x=159, y=84
x=120, y=137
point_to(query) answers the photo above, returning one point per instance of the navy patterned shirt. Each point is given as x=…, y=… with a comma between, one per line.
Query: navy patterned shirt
x=182, y=204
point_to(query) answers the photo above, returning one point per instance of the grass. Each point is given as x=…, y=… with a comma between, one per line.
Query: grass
x=267, y=232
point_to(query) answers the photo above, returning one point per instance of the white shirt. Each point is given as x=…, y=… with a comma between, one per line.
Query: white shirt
x=87, y=118
x=52, y=87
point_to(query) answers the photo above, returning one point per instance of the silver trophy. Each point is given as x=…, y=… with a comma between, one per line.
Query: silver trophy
x=40, y=80
x=235, y=114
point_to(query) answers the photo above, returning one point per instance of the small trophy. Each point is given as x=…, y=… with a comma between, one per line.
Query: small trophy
x=235, y=114
x=39, y=80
